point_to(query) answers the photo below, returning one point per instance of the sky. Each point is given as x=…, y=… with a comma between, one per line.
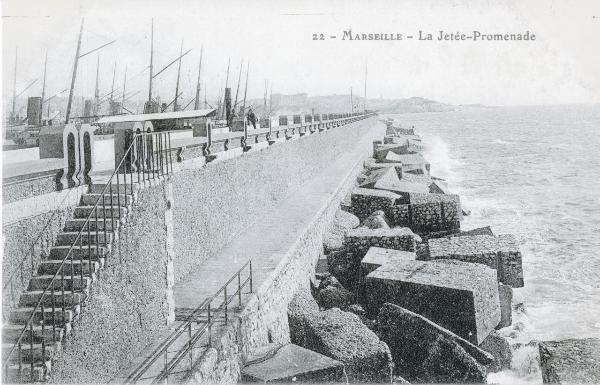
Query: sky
x=562, y=66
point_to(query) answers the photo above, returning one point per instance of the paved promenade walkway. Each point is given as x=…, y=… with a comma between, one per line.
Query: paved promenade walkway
x=265, y=242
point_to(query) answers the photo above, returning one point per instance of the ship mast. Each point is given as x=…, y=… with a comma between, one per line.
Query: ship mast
x=245, y=90
x=226, y=83
x=43, y=88
x=74, y=74
x=151, y=66
x=175, y=106
x=238, y=86
x=14, y=99
x=112, y=87
x=197, y=100
x=124, y=83
x=365, y=102
x=96, y=90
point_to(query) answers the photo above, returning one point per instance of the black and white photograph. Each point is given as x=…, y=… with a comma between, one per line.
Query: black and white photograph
x=319, y=191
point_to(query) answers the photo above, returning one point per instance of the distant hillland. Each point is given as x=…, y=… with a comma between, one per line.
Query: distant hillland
x=281, y=105
x=302, y=103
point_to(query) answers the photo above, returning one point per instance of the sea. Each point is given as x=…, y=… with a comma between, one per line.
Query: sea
x=534, y=172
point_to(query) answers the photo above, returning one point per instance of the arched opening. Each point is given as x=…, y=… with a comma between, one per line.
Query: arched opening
x=87, y=157
x=71, y=162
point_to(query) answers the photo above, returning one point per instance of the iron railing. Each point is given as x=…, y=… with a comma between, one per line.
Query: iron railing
x=205, y=315
x=149, y=156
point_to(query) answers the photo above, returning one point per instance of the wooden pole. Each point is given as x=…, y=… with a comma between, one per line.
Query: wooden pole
x=112, y=87
x=14, y=99
x=197, y=101
x=175, y=106
x=96, y=90
x=124, y=83
x=43, y=88
x=238, y=86
x=151, y=64
x=365, y=102
x=245, y=90
x=74, y=74
x=226, y=84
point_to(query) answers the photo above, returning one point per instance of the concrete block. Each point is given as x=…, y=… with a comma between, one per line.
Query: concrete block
x=291, y=363
x=424, y=352
x=505, y=293
x=487, y=230
x=378, y=256
x=498, y=347
x=377, y=220
x=459, y=296
x=300, y=309
x=571, y=361
x=343, y=337
x=380, y=178
x=366, y=201
x=499, y=252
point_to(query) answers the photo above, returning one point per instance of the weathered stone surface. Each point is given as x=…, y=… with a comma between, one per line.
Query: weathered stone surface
x=384, y=151
x=330, y=281
x=500, y=252
x=343, y=337
x=333, y=296
x=341, y=266
x=571, y=361
x=505, y=294
x=487, y=230
x=333, y=239
x=358, y=242
x=300, y=309
x=378, y=256
x=427, y=217
x=459, y=296
x=379, y=177
x=377, y=220
x=425, y=352
x=291, y=363
x=498, y=347
x=366, y=201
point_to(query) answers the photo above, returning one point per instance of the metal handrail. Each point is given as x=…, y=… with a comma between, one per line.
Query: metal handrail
x=163, y=349
x=60, y=271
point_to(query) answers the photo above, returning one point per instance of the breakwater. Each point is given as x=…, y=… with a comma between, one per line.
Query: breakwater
x=422, y=297
x=439, y=297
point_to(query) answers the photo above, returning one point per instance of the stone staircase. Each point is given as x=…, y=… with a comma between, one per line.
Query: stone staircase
x=43, y=338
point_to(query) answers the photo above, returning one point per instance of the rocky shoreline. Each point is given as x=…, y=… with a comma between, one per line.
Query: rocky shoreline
x=402, y=294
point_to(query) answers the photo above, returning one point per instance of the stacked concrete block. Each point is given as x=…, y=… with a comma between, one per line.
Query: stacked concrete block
x=370, y=164
x=506, y=295
x=424, y=352
x=380, y=151
x=381, y=178
x=499, y=252
x=571, y=361
x=290, y=363
x=426, y=217
x=459, y=296
x=366, y=201
x=358, y=241
x=343, y=337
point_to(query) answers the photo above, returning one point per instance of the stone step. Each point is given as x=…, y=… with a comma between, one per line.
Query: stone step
x=24, y=374
x=11, y=332
x=20, y=316
x=70, y=237
x=77, y=224
x=121, y=199
x=84, y=211
x=35, y=353
x=122, y=188
x=69, y=298
x=61, y=251
x=51, y=266
x=41, y=282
